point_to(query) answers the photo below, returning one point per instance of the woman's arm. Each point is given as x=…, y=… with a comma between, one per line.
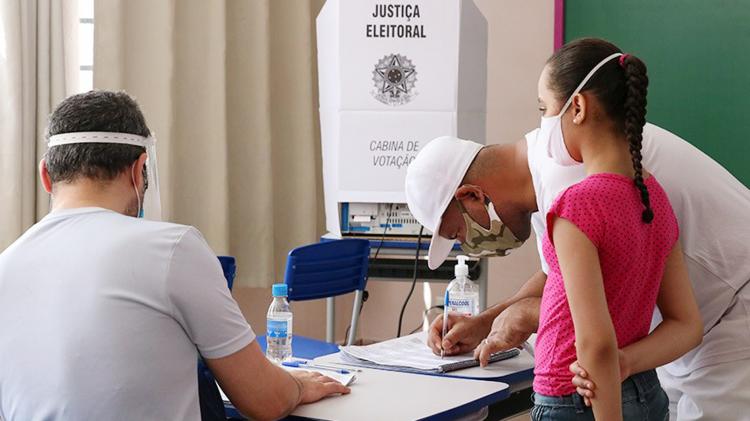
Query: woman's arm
x=596, y=342
x=680, y=330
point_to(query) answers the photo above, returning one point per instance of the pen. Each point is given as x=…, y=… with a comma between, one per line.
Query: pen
x=445, y=324
x=302, y=364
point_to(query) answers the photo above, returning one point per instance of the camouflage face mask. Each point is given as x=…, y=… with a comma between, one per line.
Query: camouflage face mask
x=483, y=242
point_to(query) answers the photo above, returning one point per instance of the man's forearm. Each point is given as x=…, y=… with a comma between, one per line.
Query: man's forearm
x=285, y=395
x=278, y=394
x=531, y=306
x=295, y=402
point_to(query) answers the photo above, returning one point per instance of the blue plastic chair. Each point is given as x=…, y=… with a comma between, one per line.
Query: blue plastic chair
x=211, y=405
x=329, y=269
x=229, y=267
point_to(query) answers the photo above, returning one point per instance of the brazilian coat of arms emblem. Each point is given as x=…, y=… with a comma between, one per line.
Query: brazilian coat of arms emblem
x=394, y=78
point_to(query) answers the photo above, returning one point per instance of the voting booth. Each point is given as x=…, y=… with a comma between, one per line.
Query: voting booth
x=393, y=75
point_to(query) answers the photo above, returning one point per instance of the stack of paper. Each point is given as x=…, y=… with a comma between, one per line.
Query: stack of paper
x=410, y=353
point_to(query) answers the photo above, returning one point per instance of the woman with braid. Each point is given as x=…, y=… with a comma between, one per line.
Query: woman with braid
x=612, y=246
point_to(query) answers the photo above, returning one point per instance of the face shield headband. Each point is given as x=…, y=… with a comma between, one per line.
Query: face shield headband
x=151, y=201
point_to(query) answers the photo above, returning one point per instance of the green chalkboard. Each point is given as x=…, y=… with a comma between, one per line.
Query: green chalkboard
x=698, y=58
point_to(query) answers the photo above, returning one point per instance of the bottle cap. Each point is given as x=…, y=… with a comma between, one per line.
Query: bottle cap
x=461, y=269
x=279, y=290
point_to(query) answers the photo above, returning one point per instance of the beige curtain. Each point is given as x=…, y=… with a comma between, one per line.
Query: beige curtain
x=38, y=68
x=230, y=90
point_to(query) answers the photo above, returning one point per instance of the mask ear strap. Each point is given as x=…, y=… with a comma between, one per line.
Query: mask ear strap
x=461, y=206
x=585, y=80
x=491, y=212
x=135, y=187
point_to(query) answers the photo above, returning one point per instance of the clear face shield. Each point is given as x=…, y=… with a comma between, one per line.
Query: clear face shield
x=150, y=204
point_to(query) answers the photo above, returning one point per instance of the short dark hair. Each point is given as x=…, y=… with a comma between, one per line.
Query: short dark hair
x=94, y=111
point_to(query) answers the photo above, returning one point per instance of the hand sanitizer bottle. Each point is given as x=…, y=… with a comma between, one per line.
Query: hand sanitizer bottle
x=462, y=295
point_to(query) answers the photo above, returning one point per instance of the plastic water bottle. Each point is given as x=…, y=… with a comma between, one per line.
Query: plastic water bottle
x=462, y=295
x=279, y=326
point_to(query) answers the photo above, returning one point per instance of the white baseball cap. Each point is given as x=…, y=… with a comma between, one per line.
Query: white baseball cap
x=432, y=179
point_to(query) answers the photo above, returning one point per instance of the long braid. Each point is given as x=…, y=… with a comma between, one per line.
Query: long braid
x=636, y=82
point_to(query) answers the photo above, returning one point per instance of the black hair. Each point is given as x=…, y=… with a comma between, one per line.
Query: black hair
x=94, y=111
x=620, y=86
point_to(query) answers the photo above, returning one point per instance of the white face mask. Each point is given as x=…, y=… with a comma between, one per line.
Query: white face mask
x=550, y=128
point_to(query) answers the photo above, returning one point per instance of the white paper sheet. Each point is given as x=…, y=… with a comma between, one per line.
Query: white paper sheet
x=408, y=351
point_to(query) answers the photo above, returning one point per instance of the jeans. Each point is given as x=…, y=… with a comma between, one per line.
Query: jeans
x=642, y=399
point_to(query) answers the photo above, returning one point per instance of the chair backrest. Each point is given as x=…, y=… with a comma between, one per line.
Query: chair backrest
x=327, y=269
x=229, y=266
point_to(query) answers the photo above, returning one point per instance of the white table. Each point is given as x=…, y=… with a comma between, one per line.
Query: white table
x=517, y=372
x=390, y=395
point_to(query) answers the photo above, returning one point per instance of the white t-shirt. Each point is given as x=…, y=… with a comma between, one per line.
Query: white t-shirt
x=103, y=317
x=713, y=210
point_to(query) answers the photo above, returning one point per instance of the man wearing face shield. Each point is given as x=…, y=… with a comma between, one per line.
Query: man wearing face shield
x=521, y=179
x=104, y=314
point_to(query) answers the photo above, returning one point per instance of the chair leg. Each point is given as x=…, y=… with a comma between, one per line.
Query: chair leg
x=330, y=319
x=355, y=317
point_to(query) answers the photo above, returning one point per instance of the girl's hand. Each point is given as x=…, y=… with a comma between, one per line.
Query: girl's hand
x=585, y=387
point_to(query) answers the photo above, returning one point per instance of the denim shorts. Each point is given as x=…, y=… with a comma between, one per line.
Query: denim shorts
x=642, y=399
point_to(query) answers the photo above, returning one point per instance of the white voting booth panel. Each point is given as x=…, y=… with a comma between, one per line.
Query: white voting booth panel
x=393, y=75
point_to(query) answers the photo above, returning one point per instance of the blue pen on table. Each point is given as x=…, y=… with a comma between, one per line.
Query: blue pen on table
x=305, y=364
x=332, y=367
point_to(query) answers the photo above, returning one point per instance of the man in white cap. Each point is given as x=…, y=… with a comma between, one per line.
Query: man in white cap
x=459, y=190
x=457, y=172
x=519, y=181
x=104, y=314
